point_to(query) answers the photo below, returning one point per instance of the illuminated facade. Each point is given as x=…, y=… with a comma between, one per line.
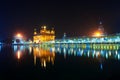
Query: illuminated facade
x=44, y=35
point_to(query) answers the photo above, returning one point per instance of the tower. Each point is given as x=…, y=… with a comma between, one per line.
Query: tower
x=100, y=31
x=100, y=27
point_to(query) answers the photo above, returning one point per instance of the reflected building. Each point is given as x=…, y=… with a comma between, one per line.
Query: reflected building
x=99, y=54
x=43, y=35
x=30, y=49
x=19, y=50
x=18, y=47
x=45, y=56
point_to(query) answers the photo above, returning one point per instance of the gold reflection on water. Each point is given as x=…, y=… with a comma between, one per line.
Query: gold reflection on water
x=45, y=56
x=18, y=54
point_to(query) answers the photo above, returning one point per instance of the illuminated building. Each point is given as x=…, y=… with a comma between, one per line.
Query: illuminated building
x=45, y=56
x=44, y=35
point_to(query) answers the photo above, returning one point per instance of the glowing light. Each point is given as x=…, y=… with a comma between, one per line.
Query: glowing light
x=19, y=35
x=116, y=52
x=30, y=50
x=44, y=27
x=106, y=56
x=44, y=64
x=97, y=54
x=18, y=54
x=97, y=34
x=109, y=53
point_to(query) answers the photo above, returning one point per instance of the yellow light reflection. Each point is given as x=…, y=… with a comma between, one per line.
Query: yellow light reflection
x=18, y=54
x=97, y=54
x=34, y=60
x=45, y=56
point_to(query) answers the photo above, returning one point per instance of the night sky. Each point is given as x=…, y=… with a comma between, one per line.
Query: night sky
x=74, y=18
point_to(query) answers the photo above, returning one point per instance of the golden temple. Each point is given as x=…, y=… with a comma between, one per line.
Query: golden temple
x=44, y=35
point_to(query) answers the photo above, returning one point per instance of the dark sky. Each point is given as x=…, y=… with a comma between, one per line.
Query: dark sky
x=76, y=18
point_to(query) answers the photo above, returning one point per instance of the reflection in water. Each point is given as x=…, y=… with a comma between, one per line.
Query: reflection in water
x=46, y=56
x=90, y=52
x=101, y=66
x=100, y=55
x=30, y=49
x=19, y=50
x=18, y=47
x=18, y=54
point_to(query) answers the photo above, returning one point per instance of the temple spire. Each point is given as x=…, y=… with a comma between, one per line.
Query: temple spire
x=100, y=23
x=100, y=27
